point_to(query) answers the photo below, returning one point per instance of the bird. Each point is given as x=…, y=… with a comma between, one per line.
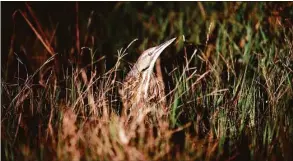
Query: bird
x=141, y=88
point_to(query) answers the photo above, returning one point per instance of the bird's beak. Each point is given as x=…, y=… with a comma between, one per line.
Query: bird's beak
x=159, y=49
x=157, y=52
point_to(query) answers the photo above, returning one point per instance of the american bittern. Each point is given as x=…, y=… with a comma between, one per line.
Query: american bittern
x=141, y=87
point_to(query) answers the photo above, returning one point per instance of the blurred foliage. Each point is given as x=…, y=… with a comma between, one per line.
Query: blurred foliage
x=233, y=96
x=108, y=26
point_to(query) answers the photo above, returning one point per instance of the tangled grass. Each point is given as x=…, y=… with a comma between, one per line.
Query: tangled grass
x=230, y=100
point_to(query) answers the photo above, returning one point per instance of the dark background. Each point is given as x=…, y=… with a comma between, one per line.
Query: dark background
x=106, y=27
x=251, y=36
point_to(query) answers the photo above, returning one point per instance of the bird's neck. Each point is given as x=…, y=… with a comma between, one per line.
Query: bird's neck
x=134, y=72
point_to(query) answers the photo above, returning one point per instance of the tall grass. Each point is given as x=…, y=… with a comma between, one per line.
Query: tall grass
x=228, y=85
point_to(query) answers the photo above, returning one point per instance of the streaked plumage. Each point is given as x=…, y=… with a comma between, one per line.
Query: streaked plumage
x=141, y=88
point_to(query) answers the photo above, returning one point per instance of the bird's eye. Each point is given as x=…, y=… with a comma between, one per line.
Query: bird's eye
x=144, y=69
x=150, y=53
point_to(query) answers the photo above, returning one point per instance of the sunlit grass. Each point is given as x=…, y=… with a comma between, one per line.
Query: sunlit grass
x=230, y=99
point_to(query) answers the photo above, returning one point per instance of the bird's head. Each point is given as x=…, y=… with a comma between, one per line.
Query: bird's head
x=147, y=60
x=145, y=65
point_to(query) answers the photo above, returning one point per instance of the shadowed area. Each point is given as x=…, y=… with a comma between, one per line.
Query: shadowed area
x=106, y=81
